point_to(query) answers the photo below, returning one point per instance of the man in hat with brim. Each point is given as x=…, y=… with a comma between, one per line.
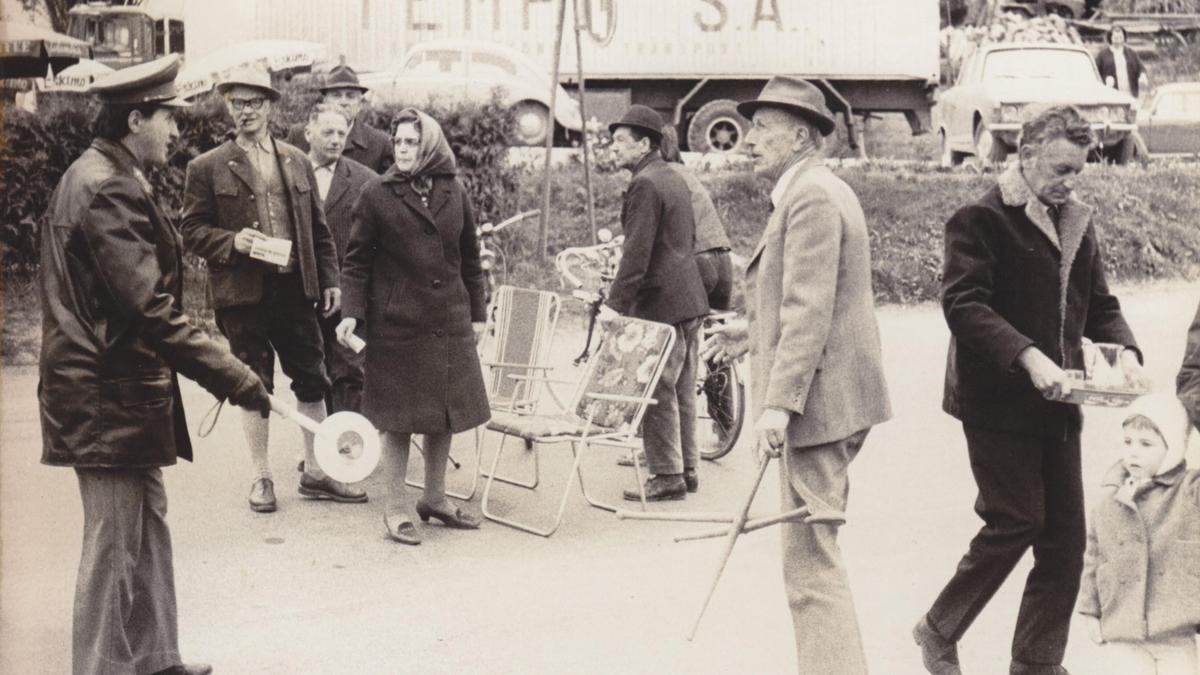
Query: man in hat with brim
x=816, y=366
x=364, y=143
x=114, y=337
x=658, y=280
x=252, y=209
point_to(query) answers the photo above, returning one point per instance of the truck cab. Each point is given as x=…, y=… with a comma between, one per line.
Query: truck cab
x=125, y=34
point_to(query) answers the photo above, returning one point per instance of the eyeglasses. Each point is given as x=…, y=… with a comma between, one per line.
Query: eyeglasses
x=255, y=103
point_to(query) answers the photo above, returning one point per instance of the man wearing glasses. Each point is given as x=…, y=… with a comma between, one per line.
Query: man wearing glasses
x=252, y=209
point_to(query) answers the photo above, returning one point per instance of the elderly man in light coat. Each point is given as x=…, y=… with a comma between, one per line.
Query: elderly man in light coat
x=817, y=379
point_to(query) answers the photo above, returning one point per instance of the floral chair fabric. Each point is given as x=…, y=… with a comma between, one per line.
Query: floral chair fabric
x=631, y=353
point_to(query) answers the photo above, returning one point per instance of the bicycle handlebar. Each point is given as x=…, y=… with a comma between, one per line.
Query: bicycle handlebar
x=488, y=229
x=600, y=253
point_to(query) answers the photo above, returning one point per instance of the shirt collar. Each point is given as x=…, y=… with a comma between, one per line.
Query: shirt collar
x=328, y=166
x=262, y=144
x=785, y=180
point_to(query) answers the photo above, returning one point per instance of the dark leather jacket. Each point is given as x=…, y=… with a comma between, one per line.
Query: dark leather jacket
x=113, y=331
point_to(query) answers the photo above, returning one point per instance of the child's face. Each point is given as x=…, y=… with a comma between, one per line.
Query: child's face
x=1143, y=452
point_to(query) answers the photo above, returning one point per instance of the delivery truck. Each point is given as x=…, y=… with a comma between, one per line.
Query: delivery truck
x=691, y=60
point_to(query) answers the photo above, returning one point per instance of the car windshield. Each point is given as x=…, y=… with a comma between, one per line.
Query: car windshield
x=1040, y=63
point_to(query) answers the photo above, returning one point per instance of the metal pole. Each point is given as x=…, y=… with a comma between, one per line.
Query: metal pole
x=544, y=226
x=587, y=172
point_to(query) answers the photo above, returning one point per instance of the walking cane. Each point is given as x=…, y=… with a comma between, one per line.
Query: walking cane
x=735, y=530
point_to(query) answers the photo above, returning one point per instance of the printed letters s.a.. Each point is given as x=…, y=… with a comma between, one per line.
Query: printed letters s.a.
x=723, y=16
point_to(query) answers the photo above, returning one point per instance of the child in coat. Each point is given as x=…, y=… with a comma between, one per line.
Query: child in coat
x=1141, y=577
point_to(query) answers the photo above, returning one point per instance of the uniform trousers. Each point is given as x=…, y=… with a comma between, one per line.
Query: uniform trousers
x=125, y=614
x=818, y=591
x=1030, y=496
x=669, y=426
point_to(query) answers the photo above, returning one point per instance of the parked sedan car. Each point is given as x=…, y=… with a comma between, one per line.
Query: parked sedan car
x=471, y=70
x=1169, y=122
x=981, y=114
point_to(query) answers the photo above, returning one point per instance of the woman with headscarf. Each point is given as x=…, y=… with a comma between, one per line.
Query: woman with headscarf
x=413, y=284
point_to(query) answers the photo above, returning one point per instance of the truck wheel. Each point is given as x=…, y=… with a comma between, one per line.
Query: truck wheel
x=717, y=127
x=533, y=122
x=950, y=158
x=988, y=150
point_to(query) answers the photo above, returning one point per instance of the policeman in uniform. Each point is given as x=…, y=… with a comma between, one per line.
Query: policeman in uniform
x=114, y=337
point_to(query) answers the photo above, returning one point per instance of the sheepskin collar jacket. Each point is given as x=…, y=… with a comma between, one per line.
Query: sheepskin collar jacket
x=1013, y=278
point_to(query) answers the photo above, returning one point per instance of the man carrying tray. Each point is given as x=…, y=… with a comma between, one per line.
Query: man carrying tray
x=1023, y=284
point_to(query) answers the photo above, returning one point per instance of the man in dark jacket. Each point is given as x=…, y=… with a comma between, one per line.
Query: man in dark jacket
x=1023, y=284
x=251, y=209
x=114, y=336
x=364, y=144
x=658, y=280
x=339, y=181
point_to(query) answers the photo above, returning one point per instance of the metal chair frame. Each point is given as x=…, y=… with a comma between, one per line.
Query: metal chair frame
x=589, y=434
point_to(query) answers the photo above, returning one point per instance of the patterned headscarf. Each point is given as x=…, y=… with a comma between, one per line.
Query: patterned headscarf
x=434, y=156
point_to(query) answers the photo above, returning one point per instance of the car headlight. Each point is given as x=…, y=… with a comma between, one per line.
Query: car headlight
x=1102, y=113
x=1010, y=113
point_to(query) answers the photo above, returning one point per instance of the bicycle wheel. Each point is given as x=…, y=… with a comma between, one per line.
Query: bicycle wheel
x=720, y=409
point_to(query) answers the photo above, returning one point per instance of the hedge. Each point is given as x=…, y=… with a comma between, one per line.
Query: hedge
x=38, y=148
x=1148, y=220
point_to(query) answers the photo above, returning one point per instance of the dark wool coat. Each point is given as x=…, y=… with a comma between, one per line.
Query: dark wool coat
x=658, y=279
x=1141, y=575
x=113, y=330
x=413, y=274
x=1010, y=282
x=349, y=177
x=365, y=144
x=1108, y=68
x=218, y=201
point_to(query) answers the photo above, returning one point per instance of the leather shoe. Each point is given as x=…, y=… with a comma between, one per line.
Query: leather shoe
x=939, y=655
x=328, y=488
x=1022, y=668
x=663, y=487
x=262, y=496
x=457, y=519
x=404, y=531
x=187, y=669
x=691, y=480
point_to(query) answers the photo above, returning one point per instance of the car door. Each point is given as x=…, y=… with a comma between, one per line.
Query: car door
x=949, y=105
x=1175, y=123
x=487, y=71
x=966, y=98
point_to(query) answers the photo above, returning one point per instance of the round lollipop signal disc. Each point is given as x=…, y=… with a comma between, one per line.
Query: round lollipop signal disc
x=348, y=447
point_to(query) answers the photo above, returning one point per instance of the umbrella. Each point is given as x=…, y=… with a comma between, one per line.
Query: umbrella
x=78, y=77
x=26, y=51
x=202, y=74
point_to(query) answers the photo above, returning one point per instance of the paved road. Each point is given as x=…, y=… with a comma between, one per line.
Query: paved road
x=317, y=588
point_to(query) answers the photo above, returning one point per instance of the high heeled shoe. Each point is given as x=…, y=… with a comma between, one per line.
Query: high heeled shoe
x=457, y=519
x=404, y=531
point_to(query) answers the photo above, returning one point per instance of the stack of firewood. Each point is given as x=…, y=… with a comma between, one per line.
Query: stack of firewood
x=959, y=42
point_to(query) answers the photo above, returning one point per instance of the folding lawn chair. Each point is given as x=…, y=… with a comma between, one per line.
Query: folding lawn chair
x=606, y=409
x=517, y=340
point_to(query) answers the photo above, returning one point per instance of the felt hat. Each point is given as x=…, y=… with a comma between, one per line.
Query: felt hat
x=642, y=118
x=253, y=76
x=342, y=77
x=796, y=96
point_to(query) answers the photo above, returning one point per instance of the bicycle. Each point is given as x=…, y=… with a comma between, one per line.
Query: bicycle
x=720, y=391
x=491, y=254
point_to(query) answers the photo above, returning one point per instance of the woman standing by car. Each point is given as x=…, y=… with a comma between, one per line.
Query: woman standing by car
x=412, y=274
